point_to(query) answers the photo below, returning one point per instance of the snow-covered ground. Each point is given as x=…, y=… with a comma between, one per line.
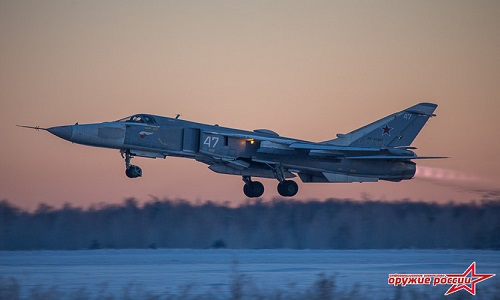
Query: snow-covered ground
x=198, y=272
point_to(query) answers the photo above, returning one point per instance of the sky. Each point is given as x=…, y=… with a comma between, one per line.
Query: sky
x=305, y=69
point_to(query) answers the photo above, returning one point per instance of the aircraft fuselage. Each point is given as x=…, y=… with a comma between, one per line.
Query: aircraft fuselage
x=378, y=151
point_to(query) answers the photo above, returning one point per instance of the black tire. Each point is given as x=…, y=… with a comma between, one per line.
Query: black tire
x=257, y=188
x=288, y=188
x=281, y=189
x=133, y=171
x=253, y=189
x=247, y=190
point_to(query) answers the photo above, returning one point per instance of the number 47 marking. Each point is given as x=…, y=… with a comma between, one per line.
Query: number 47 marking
x=211, y=141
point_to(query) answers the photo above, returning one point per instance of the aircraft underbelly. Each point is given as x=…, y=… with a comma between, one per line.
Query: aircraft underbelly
x=351, y=171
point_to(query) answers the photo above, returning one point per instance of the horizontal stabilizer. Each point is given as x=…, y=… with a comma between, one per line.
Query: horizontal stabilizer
x=334, y=177
x=394, y=157
x=327, y=147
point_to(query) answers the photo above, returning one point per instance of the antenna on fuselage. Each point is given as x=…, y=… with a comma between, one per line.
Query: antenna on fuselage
x=177, y=116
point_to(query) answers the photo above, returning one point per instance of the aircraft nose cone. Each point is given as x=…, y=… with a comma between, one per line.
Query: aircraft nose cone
x=64, y=132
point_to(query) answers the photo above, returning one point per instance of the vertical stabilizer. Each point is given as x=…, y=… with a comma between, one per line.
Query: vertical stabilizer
x=398, y=129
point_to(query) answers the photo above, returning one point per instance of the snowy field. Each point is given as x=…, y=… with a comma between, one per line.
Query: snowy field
x=185, y=273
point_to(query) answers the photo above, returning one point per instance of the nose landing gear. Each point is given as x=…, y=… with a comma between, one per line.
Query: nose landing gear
x=132, y=171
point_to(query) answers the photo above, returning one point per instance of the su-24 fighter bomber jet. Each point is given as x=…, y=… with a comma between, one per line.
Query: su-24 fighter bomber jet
x=378, y=151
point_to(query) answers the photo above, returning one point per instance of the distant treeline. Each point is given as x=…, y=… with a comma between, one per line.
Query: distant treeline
x=330, y=224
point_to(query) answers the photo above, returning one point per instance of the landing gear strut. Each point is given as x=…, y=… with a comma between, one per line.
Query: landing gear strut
x=131, y=171
x=252, y=189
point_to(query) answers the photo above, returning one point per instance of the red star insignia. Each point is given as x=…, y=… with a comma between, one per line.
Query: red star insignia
x=387, y=130
x=472, y=288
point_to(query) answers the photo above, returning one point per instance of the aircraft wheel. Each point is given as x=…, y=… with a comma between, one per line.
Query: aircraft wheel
x=133, y=171
x=253, y=189
x=288, y=188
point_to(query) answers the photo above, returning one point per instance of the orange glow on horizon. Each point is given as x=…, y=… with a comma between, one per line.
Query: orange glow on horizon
x=307, y=70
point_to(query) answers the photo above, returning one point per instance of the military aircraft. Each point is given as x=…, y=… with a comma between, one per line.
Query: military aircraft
x=378, y=151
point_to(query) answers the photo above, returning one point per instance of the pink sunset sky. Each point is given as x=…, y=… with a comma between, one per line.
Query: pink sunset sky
x=305, y=69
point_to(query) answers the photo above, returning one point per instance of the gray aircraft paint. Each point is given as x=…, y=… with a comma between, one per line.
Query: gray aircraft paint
x=377, y=151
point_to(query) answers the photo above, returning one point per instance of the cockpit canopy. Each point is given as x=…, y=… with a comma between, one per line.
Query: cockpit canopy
x=141, y=118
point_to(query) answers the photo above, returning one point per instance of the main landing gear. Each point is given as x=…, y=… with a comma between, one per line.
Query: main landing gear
x=286, y=188
x=132, y=171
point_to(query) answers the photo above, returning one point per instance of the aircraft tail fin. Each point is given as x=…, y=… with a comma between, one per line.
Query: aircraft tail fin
x=396, y=130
